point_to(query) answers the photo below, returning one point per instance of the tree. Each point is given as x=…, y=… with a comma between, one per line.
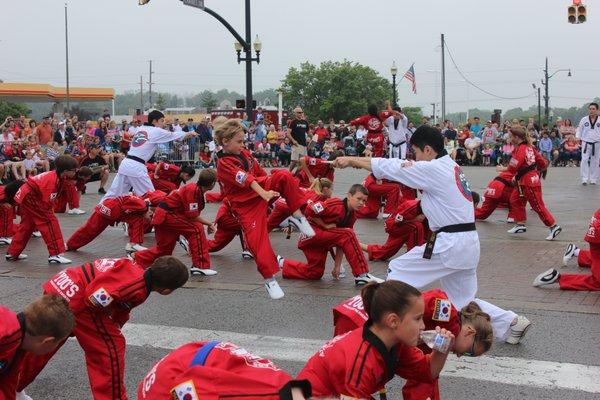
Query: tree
x=13, y=109
x=209, y=100
x=338, y=90
x=414, y=114
x=160, y=102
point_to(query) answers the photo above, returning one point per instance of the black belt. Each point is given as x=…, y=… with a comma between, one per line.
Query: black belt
x=504, y=181
x=399, y=144
x=449, y=229
x=134, y=158
x=593, y=147
x=164, y=206
x=521, y=173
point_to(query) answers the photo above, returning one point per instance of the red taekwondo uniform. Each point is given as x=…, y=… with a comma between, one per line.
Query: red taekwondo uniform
x=379, y=190
x=101, y=294
x=67, y=196
x=12, y=331
x=331, y=211
x=497, y=194
x=526, y=162
x=439, y=311
x=318, y=169
x=401, y=229
x=176, y=216
x=586, y=258
x=129, y=209
x=214, y=371
x=168, y=176
x=280, y=210
x=7, y=216
x=236, y=172
x=374, y=127
x=34, y=200
x=228, y=227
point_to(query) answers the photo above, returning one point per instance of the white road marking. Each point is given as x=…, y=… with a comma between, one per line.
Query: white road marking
x=509, y=370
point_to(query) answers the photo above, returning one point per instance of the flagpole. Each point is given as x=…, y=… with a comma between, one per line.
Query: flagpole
x=411, y=65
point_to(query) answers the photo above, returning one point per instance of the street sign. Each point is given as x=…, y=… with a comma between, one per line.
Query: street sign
x=194, y=3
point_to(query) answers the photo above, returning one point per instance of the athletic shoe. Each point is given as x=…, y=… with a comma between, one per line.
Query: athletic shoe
x=280, y=261
x=569, y=253
x=246, y=255
x=302, y=225
x=285, y=223
x=22, y=396
x=584, y=183
x=5, y=240
x=546, y=278
x=274, y=289
x=185, y=245
x=125, y=228
x=342, y=272
x=518, y=330
x=517, y=229
x=75, y=211
x=510, y=220
x=101, y=191
x=58, y=259
x=202, y=272
x=11, y=258
x=365, y=278
x=554, y=232
x=592, y=183
x=37, y=234
x=132, y=248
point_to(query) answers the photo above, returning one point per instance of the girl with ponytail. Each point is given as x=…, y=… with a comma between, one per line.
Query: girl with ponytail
x=360, y=362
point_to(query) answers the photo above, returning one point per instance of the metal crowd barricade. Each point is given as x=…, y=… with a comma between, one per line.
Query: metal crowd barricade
x=181, y=152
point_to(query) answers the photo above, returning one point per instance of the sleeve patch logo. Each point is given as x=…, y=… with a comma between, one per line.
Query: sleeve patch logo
x=101, y=298
x=139, y=138
x=312, y=161
x=240, y=177
x=193, y=206
x=318, y=208
x=399, y=217
x=442, y=310
x=184, y=391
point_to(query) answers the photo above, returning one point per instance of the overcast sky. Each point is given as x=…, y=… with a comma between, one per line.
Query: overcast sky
x=499, y=45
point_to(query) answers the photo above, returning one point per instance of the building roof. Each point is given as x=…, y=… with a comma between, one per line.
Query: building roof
x=41, y=92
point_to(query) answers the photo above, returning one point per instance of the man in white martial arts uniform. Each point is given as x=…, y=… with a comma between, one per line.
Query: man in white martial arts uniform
x=588, y=131
x=452, y=254
x=132, y=171
x=397, y=125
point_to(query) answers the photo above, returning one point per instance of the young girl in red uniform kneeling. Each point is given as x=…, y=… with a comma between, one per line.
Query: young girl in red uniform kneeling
x=249, y=190
x=7, y=210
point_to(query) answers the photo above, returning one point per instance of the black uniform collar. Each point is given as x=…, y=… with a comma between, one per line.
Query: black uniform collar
x=148, y=280
x=389, y=357
x=240, y=157
x=592, y=123
x=347, y=214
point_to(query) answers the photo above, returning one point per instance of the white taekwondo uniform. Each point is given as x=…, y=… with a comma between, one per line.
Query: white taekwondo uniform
x=398, y=140
x=589, y=133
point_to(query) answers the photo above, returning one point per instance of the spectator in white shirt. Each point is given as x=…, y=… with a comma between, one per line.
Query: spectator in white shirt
x=472, y=145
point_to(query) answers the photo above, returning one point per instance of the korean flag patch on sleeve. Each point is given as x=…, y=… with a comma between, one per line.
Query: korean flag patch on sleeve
x=193, y=206
x=312, y=161
x=184, y=391
x=240, y=177
x=318, y=208
x=442, y=310
x=101, y=298
x=399, y=217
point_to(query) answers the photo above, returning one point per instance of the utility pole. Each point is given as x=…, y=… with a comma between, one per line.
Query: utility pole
x=546, y=96
x=67, y=57
x=141, y=94
x=150, y=85
x=540, y=107
x=249, y=59
x=443, y=81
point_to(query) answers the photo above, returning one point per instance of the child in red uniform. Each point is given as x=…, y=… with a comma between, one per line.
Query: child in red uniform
x=248, y=189
x=101, y=294
x=228, y=227
x=321, y=189
x=128, y=209
x=179, y=214
x=380, y=190
x=332, y=220
x=7, y=210
x=216, y=370
x=585, y=258
x=498, y=193
x=310, y=168
x=34, y=200
x=360, y=362
x=406, y=225
x=167, y=177
x=471, y=327
x=525, y=163
x=39, y=329
x=373, y=122
x=69, y=194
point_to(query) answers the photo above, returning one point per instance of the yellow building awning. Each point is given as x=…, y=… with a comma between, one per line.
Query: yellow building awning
x=41, y=92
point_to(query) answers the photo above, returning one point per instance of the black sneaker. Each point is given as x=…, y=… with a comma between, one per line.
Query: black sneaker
x=101, y=191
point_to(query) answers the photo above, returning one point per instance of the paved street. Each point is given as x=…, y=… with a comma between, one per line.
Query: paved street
x=559, y=359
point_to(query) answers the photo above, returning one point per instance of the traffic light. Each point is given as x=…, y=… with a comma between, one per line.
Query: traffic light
x=581, y=14
x=572, y=11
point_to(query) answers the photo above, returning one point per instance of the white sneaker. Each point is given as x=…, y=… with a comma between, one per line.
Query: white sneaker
x=546, y=278
x=202, y=272
x=185, y=245
x=22, y=396
x=132, y=248
x=37, y=234
x=518, y=330
x=58, y=259
x=569, y=253
x=510, y=220
x=11, y=258
x=274, y=289
x=554, y=232
x=246, y=255
x=302, y=225
x=280, y=261
x=517, y=229
x=342, y=272
x=5, y=240
x=75, y=211
x=365, y=278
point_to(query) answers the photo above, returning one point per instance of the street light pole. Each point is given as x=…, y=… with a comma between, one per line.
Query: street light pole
x=547, y=90
x=249, y=60
x=394, y=71
x=67, y=57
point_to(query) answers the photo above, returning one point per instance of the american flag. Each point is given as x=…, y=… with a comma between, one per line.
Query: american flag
x=410, y=75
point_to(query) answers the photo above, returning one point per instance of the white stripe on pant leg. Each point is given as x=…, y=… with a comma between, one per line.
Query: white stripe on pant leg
x=501, y=319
